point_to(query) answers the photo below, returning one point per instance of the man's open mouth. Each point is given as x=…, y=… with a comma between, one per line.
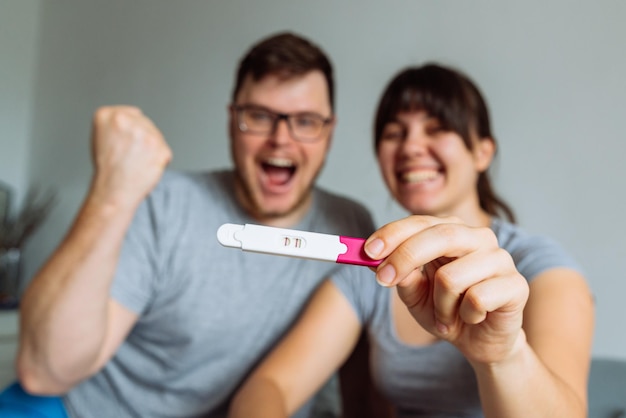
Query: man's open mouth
x=278, y=170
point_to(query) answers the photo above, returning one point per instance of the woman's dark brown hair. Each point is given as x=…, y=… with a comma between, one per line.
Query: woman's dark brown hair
x=452, y=98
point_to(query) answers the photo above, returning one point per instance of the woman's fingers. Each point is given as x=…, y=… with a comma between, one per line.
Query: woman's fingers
x=418, y=241
x=498, y=297
x=387, y=238
x=451, y=275
x=454, y=280
x=465, y=290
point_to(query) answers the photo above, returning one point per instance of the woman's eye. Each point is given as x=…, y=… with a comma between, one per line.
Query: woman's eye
x=435, y=130
x=393, y=134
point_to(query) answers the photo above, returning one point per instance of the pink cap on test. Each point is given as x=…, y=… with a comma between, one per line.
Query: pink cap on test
x=355, y=253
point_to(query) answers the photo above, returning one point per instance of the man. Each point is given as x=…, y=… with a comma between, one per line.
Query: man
x=140, y=311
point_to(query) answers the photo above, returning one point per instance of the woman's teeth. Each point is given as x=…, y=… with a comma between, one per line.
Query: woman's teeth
x=418, y=176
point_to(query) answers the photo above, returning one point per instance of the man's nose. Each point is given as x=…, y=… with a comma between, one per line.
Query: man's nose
x=281, y=134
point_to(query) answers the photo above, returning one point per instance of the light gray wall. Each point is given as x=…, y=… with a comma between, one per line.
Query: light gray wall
x=553, y=75
x=19, y=26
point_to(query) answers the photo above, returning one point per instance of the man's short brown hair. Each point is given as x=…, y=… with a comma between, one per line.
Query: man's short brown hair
x=284, y=55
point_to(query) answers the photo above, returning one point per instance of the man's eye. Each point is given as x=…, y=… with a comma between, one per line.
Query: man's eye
x=259, y=115
x=306, y=121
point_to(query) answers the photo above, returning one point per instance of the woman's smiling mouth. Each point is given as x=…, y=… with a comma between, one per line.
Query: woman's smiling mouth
x=417, y=176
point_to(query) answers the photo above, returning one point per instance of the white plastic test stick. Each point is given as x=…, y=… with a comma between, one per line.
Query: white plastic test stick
x=294, y=243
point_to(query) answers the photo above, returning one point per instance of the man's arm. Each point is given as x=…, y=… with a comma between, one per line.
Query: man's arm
x=70, y=326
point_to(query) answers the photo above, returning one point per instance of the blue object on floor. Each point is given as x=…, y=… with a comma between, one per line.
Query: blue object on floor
x=16, y=403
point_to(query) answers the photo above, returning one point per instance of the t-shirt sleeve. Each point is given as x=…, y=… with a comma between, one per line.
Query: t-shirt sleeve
x=358, y=285
x=137, y=269
x=540, y=253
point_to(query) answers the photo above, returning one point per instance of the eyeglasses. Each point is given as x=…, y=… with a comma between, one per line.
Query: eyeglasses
x=304, y=127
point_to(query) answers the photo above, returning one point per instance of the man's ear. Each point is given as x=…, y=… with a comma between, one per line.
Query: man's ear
x=483, y=153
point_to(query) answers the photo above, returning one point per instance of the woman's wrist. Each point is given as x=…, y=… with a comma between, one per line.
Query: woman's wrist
x=515, y=358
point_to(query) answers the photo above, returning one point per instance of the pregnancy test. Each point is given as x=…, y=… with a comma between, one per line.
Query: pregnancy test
x=293, y=243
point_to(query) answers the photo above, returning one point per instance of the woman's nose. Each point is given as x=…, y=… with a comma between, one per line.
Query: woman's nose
x=415, y=143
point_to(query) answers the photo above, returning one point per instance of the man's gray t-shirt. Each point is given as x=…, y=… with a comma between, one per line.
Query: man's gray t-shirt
x=435, y=380
x=207, y=313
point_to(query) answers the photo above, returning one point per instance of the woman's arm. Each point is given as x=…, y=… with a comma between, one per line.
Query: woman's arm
x=463, y=288
x=317, y=345
x=547, y=377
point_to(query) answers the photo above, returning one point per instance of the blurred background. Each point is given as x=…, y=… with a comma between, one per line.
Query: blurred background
x=552, y=72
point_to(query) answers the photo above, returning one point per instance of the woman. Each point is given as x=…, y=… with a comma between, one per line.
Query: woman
x=499, y=322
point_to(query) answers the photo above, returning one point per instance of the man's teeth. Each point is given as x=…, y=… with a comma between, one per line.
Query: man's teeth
x=280, y=162
x=417, y=176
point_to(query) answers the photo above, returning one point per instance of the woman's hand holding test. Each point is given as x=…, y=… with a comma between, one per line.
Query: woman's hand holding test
x=456, y=281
